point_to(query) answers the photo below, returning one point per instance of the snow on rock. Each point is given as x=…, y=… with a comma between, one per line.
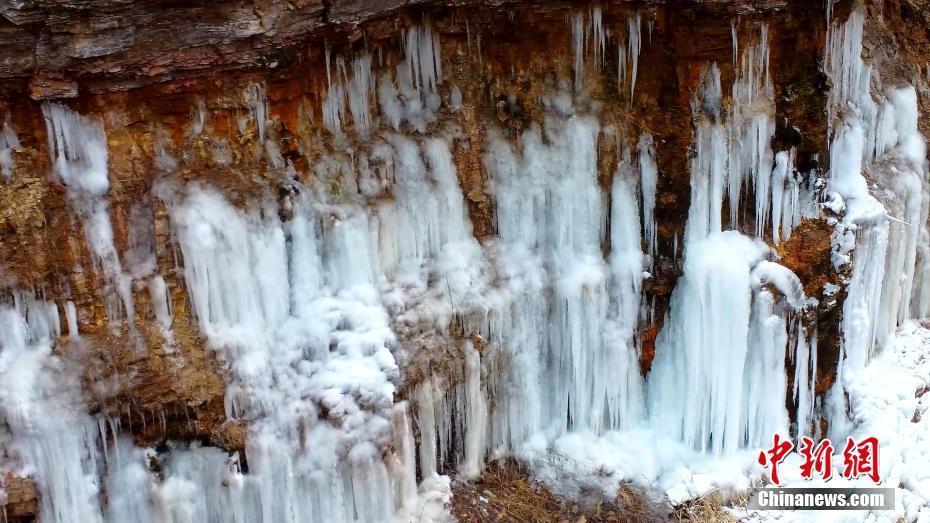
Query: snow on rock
x=782, y=278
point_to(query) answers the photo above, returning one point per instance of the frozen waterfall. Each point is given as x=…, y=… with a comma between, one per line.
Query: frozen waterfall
x=376, y=347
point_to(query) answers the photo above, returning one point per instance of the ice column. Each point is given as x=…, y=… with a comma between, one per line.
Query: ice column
x=41, y=403
x=880, y=138
x=708, y=166
x=752, y=125
x=649, y=173
x=291, y=308
x=805, y=380
x=718, y=378
x=564, y=352
x=627, y=263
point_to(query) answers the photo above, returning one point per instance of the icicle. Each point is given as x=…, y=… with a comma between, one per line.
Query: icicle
x=578, y=41
x=254, y=98
x=633, y=24
x=735, y=42
x=430, y=218
x=8, y=142
x=213, y=238
x=851, y=76
x=910, y=189
x=422, y=67
x=797, y=201
x=391, y=107
x=198, y=118
x=725, y=275
x=623, y=392
x=78, y=150
x=751, y=128
x=600, y=37
x=886, y=143
x=865, y=215
x=426, y=420
x=405, y=486
x=551, y=221
x=71, y=316
x=781, y=277
x=920, y=295
x=204, y=484
x=805, y=380
x=415, y=98
x=128, y=484
x=328, y=59
x=158, y=294
x=356, y=92
x=360, y=90
x=709, y=163
x=780, y=176
x=334, y=103
x=649, y=174
x=621, y=67
x=455, y=97
x=868, y=135
x=293, y=311
x=765, y=413
x=864, y=289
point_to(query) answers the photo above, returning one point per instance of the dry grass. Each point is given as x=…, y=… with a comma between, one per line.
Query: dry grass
x=708, y=508
x=505, y=493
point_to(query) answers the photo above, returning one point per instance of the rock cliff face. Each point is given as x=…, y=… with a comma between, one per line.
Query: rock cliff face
x=261, y=102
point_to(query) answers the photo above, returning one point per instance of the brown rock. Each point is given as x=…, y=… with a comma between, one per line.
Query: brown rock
x=20, y=500
x=50, y=86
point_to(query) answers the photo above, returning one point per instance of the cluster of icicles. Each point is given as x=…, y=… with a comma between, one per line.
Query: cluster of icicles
x=315, y=313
